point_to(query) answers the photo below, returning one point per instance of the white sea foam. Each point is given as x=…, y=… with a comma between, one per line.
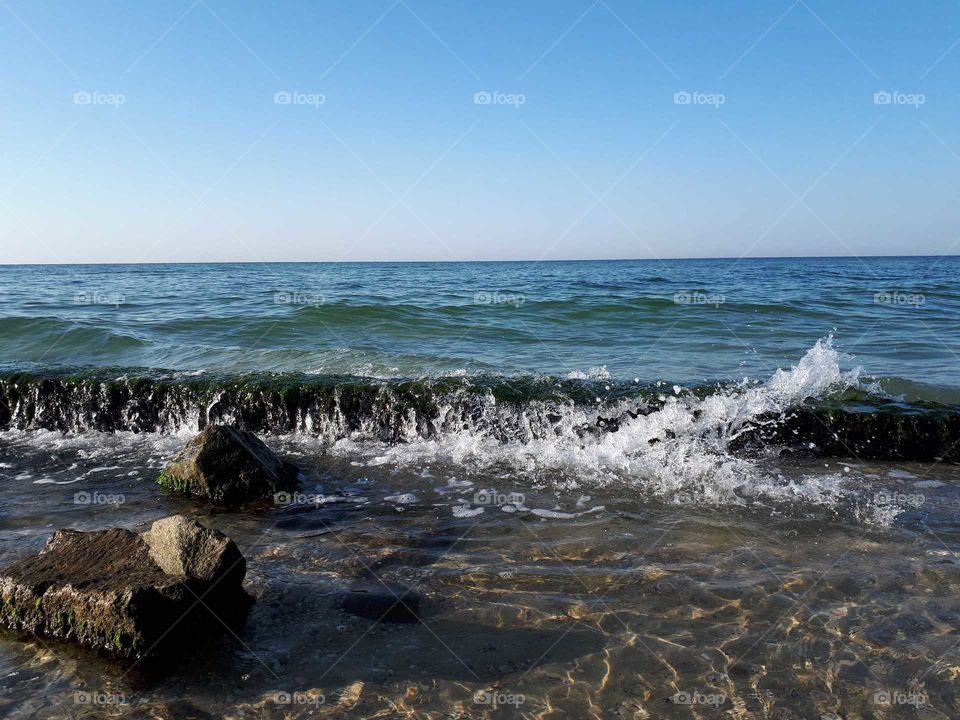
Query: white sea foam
x=594, y=373
x=678, y=452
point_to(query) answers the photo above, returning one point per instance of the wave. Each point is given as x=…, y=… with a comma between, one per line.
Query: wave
x=722, y=443
x=43, y=334
x=813, y=409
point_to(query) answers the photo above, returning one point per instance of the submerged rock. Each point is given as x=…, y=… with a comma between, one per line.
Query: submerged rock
x=228, y=465
x=128, y=594
x=383, y=602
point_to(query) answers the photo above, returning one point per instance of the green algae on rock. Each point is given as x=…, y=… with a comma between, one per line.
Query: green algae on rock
x=113, y=590
x=228, y=465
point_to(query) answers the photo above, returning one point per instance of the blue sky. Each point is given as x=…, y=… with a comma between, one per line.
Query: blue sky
x=159, y=131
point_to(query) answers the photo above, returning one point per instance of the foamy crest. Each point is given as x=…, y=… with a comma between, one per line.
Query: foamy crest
x=676, y=448
x=679, y=452
x=595, y=373
x=817, y=373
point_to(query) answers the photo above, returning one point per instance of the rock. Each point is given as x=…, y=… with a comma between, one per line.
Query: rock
x=181, y=546
x=383, y=602
x=104, y=590
x=228, y=466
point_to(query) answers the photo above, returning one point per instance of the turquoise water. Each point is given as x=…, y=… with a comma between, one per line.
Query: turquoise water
x=677, y=321
x=660, y=374
x=618, y=489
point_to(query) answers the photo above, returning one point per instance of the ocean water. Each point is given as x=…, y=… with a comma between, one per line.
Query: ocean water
x=680, y=321
x=638, y=489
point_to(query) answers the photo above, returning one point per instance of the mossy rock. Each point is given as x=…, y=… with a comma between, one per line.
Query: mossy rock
x=228, y=466
x=113, y=591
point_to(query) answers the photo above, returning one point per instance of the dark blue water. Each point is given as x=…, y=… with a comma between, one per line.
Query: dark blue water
x=679, y=321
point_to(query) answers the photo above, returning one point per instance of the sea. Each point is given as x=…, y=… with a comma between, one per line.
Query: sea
x=617, y=489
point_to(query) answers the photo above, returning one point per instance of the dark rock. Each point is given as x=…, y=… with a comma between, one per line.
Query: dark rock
x=383, y=602
x=870, y=432
x=228, y=466
x=105, y=591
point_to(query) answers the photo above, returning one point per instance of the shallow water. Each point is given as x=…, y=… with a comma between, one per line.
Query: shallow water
x=606, y=498
x=549, y=603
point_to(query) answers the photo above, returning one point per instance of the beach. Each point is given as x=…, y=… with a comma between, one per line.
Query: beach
x=597, y=501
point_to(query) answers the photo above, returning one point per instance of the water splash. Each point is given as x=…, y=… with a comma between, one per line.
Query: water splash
x=679, y=452
x=703, y=445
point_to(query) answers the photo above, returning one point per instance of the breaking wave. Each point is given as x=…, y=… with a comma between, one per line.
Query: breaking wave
x=711, y=443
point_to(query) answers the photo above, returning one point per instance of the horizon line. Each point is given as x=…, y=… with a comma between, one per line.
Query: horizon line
x=466, y=262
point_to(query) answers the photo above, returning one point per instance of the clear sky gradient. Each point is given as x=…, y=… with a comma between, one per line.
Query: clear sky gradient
x=160, y=131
